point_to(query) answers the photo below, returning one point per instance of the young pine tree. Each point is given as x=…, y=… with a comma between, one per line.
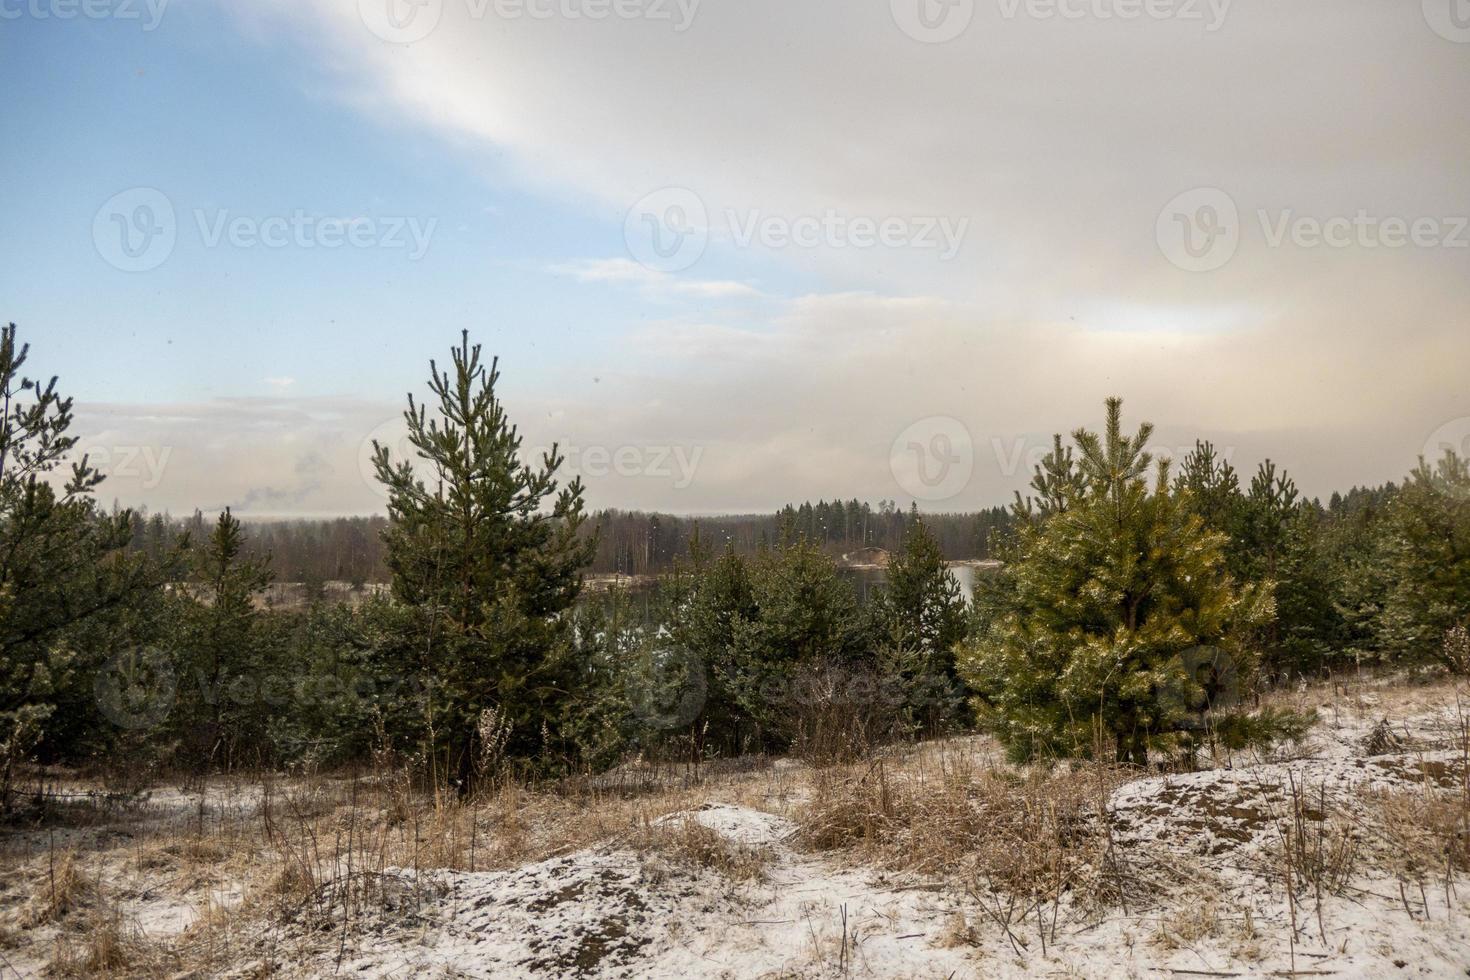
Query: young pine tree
x=224, y=700
x=803, y=620
x=1422, y=547
x=919, y=616
x=1090, y=625
x=488, y=550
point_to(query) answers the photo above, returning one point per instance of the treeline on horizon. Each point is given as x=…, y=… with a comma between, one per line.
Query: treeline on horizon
x=628, y=542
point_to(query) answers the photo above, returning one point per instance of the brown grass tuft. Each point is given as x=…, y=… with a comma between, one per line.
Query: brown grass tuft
x=64, y=889
x=686, y=841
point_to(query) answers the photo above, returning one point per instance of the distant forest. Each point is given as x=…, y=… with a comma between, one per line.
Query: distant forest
x=350, y=549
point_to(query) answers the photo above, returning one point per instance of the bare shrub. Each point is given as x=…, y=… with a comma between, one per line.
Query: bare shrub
x=1455, y=651
x=492, y=734
x=838, y=713
x=1318, y=842
x=106, y=949
x=1382, y=740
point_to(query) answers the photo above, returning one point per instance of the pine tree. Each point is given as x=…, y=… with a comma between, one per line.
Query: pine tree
x=222, y=703
x=1422, y=550
x=473, y=546
x=788, y=614
x=1057, y=482
x=1212, y=485
x=1088, y=629
x=63, y=562
x=920, y=616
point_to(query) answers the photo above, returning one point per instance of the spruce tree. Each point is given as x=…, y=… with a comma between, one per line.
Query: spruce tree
x=1090, y=627
x=488, y=549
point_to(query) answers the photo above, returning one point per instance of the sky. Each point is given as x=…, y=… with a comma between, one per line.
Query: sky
x=735, y=253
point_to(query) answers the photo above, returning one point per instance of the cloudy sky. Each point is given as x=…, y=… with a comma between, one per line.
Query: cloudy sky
x=737, y=252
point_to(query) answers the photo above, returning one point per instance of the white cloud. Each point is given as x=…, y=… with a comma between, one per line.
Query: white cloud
x=653, y=281
x=1058, y=141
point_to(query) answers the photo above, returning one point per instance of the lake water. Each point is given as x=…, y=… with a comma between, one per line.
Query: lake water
x=642, y=596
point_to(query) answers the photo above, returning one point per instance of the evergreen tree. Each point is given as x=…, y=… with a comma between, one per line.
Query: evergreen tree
x=222, y=704
x=1212, y=486
x=63, y=563
x=792, y=613
x=1090, y=625
x=473, y=546
x=720, y=599
x=1423, y=553
x=1057, y=482
x=919, y=617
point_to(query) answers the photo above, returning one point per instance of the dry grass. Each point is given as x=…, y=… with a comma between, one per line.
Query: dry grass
x=1027, y=846
x=1021, y=843
x=1195, y=917
x=687, y=842
x=105, y=950
x=64, y=889
x=1427, y=833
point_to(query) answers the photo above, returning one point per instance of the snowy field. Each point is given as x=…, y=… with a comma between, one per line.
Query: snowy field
x=1344, y=856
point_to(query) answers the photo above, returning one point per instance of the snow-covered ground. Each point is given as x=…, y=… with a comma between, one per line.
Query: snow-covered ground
x=1213, y=850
